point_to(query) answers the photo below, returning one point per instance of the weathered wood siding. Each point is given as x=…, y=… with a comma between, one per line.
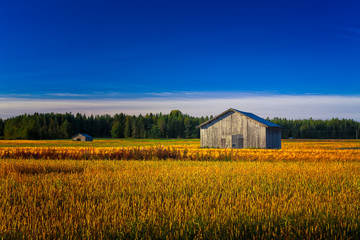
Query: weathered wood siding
x=234, y=130
x=79, y=138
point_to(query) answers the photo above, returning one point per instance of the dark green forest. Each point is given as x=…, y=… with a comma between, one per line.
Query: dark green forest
x=63, y=126
x=318, y=129
x=172, y=125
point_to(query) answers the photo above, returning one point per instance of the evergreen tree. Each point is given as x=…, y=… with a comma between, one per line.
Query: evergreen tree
x=121, y=118
x=1, y=128
x=116, y=130
x=128, y=127
x=140, y=125
x=54, y=128
x=66, y=129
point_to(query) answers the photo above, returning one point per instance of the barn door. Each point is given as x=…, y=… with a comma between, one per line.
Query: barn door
x=240, y=142
x=237, y=141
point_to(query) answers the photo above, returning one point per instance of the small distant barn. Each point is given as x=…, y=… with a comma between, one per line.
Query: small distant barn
x=82, y=137
x=237, y=129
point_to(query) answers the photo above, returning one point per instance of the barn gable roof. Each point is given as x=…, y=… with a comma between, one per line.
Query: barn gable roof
x=252, y=116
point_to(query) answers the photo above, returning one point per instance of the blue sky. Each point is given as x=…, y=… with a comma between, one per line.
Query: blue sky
x=137, y=52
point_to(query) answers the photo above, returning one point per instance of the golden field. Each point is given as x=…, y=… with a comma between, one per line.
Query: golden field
x=342, y=150
x=173, y=189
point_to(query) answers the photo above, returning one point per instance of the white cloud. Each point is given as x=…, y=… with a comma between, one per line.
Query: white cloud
x=264, y=105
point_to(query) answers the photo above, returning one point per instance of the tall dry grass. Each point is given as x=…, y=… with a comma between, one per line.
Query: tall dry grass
x=292, y=151
x=63, y=199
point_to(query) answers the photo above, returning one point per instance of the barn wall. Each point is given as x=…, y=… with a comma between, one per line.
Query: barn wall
x=220, y=132
x=255, y=134
x=273, y=138
x=212, y=133
x=81, y=137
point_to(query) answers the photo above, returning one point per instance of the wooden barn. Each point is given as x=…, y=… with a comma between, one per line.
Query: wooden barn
x=237, y=129
x=82, y=137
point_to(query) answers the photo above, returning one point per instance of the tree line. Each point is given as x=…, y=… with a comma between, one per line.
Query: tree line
x=64, y=126
x=172, y=125
x=318, y=129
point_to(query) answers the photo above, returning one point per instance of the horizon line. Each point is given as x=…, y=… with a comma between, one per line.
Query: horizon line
x=272, y=105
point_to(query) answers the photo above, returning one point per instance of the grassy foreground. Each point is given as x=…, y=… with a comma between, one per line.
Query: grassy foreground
x=68, y=199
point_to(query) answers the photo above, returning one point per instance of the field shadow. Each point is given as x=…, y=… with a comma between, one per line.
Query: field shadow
x=349, y=148
x=35, y=170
